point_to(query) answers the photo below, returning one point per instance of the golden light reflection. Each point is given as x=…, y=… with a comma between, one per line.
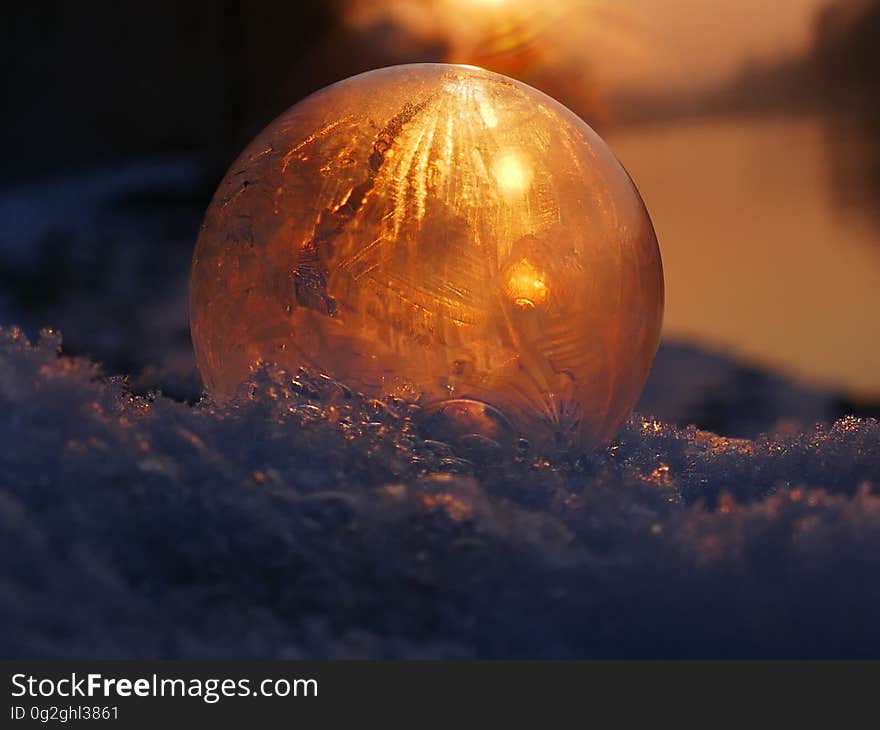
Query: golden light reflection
x=483, y=3
x=513, y=173
x=660, y=477
x=389, y=231
x=454, y=507
x=490, y=119
x=526, y=286
x=559, y=46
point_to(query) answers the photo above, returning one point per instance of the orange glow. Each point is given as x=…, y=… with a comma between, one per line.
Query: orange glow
x=513, y=173
x=483, y=3
x=439, y=233
x=660, y=477
x=551, y=44
x=454, y=507
x=659, y=44
x=525, y=285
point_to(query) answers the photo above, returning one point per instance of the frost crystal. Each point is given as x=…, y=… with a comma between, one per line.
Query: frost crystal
x=301, y=519
x=440, y=233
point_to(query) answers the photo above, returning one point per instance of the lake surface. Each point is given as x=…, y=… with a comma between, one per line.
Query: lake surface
x=770, y=233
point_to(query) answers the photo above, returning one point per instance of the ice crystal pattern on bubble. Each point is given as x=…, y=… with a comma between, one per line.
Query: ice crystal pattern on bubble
x=439, y=233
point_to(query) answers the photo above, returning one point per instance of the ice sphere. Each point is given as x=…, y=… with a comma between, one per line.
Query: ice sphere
x=440, y=233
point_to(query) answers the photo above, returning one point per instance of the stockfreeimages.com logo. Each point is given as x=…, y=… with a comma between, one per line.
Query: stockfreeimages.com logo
x=209, y=690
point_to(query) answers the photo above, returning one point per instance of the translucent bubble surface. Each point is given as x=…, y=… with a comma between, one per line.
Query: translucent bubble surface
x=439, y=233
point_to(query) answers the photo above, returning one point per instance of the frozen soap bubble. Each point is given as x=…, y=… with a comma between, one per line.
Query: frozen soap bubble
x=439, y=233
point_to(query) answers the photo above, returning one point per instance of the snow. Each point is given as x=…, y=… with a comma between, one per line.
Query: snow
x=302, y=520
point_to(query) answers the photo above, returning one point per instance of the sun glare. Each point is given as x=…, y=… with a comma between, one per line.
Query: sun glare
x=558, y=46
x=526, y=286
x=513, y=173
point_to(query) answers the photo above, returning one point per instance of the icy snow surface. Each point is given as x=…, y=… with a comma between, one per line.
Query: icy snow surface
x=302, y=520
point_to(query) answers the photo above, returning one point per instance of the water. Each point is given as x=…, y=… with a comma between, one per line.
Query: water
x=770, y=235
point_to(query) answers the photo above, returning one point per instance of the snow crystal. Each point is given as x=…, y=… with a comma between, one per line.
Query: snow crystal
x=303, y=520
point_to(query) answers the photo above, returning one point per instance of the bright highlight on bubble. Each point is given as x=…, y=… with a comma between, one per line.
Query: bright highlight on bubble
x=440, y=233
x=526, y=286
x=513, y=173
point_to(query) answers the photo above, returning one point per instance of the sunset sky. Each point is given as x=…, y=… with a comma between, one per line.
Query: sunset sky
x=622, y=44
x=687, y=42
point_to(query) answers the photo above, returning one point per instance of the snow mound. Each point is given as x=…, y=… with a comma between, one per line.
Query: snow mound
x=304, y=520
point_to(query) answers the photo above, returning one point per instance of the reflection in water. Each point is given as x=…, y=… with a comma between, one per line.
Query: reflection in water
x=770, y=240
